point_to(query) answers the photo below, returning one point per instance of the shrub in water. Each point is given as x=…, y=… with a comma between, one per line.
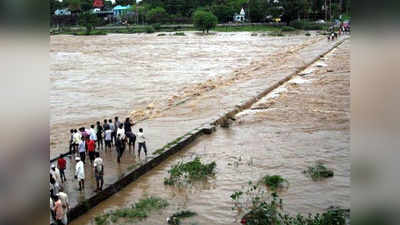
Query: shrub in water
x=179, y=34
x=307, y=34
x=175, y=219
x=276, y=34
x=274, y=182
x=139, y=210
x=190, y=171
x=318, y=171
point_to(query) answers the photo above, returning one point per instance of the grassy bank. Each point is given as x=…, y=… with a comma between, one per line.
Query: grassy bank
x=153, y=28
x=254, y=28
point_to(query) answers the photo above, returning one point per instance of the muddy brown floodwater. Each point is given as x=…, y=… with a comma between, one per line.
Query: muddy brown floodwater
x=305, y=120
x=98, y=77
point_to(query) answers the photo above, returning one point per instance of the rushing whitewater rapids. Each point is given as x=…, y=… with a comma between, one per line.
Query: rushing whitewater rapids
x=98, y=77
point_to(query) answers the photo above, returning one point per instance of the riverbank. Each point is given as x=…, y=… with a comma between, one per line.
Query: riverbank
x=172, y=28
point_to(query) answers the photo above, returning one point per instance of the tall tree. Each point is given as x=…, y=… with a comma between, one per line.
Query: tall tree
x=294, y=9
x=204, y=20
x=74, y=5
x=125, y=2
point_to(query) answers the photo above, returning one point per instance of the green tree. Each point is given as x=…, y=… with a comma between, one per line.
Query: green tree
x=125, y=2
x=156, y=15
x=294, y=9
x=89, y=21
x=74, y=5
x=257, y=10
x=223, y=12
x=204, y=20
x=86, y=5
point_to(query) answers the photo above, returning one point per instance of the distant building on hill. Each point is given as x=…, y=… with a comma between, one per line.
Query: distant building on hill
x=240, y=17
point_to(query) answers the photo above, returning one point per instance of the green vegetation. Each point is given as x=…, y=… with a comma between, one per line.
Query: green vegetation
x=254, y=28
x=307, y=34
x=274, y=182
x=204, y=20
x=149, y=29
x=307, y=25
x=156, y=15
x=160, y=35
x=182, y=11
x=189, y=172
x=175, y=219
x=318, y=171
x=263, y=209
x=93, y=32
x=137, y=211
x=89, y=21
x=276, y=34
x=270, y=214
x=156, y=26
x=179, y=34
x=288, y=29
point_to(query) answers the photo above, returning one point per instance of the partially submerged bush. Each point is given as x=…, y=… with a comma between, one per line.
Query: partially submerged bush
x=175, y=219
x=318, y=171
x=139, y=210
x=268, y=210
x=276, y=34
x=288, y=29
x=274, y=182
x=307, y=34
x=162, y=34
x=149, y=29
x=270, y=214
x=179, y=34
x=190, y=171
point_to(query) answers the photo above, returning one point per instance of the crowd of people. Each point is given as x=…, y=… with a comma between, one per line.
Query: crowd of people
x=90, y=142
x=341, y=31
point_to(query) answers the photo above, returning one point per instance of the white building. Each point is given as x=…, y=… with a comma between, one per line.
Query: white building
x=62, y=12
x=240, y=17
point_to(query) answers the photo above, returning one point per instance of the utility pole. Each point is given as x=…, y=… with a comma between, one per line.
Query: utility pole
x=248, y=4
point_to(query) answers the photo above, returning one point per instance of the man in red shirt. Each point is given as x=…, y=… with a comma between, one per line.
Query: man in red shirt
x=61, y=165
x=91, y=148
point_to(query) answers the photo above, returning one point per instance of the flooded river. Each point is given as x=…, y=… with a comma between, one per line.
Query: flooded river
x=98, y=77
x=303, y=121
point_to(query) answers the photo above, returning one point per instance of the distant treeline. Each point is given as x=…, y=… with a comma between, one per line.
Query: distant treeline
x=181, y=11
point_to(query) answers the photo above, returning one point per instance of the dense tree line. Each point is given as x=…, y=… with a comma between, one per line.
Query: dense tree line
x=160, y=11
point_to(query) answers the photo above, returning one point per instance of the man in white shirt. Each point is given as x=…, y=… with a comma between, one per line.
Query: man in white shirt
x=142, y=142
x=98, y=172
x=92, y=135
x=55, y=172
x=107, y=138
x=112, y=128
x=121, y=131
x=77, y=138
x=80, y=173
